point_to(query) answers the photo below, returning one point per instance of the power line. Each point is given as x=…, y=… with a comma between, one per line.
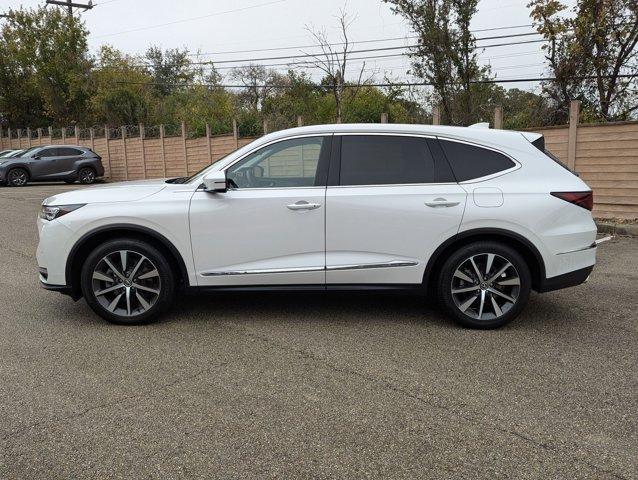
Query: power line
x=367, y=50
x=149, y=27
x=398, y=84
x=411, y=37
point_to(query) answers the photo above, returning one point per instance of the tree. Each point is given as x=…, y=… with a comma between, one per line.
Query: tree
x=588, y=54
x=121, y=92
x=445, y=55
x=259, y=83
x=333, y=63
x=170, y=69
x=44, y=68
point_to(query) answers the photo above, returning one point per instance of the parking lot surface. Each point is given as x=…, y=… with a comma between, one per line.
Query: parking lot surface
x=314, y=386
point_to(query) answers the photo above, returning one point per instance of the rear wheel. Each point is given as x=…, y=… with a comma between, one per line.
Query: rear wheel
x=86, y=175
x=128, y=282
x=484, y=285
x=17, y=177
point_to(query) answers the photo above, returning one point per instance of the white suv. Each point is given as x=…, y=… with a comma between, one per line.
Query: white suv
x=479, y=217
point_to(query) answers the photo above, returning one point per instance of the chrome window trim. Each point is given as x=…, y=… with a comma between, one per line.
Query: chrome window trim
x=329, y=268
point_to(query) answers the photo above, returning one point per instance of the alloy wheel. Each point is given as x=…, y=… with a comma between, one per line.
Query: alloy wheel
x=17, y=178
x=126, y=283
x=87, y=175
x=485, y=286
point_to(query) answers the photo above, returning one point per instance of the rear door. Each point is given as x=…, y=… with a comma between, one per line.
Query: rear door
x=66, y=161
x=390, y=202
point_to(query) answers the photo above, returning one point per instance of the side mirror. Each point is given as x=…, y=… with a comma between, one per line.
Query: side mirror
x=36, y=157
x=216, y=182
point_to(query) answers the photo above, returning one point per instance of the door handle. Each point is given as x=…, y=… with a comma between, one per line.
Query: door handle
x=303, y=205
x=441, y=202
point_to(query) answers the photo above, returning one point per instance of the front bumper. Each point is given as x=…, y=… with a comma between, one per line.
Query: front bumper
x=63, y=289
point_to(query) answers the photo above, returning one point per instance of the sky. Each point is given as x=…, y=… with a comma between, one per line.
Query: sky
x=215, y=28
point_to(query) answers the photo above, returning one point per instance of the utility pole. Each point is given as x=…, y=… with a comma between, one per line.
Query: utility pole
x=70, y=5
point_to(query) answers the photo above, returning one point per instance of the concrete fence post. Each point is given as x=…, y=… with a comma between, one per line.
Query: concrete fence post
x=19, y=138
x=185, y=150
x=498, y=117
x=208, y=147
x=9, y=134
x=125, y=153
x=1, y=139
x=92, y=138
x=265, y=127
x=39, y=136
x=384, y=117
x=236, y=133
x=436, y=116
x=63, y=135
x=142, y=135
x=162, y=149
x=29, y=137
x=77, y=135
x=108, y=149
x=574, y=113
x=299, y=121
x=50, y=130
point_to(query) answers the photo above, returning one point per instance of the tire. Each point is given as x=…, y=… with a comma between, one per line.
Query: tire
x=461, y=292
x=150, y=292
x=17, y=177
x=86, y=175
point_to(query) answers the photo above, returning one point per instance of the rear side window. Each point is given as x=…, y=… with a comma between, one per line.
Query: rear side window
x=385, y=160
x=469, y=162
x=68, y=152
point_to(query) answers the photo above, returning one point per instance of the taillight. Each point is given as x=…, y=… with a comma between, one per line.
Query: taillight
x=582, y=199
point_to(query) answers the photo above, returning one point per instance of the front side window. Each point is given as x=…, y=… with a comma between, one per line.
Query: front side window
x=469, y=162
x=385, y=160
x=48, y=152
x=289, y=163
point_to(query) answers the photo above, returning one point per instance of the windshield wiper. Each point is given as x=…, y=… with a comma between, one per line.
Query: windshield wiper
x=177, y=180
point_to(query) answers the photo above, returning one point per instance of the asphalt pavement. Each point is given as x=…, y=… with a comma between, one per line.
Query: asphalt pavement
x=314, y=386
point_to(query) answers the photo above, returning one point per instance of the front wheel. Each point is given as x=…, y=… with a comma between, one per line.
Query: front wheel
x=127, y=281
x=17, y=177
x=484, y=285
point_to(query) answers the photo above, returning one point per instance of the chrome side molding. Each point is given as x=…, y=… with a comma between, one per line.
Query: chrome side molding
x=330, y=268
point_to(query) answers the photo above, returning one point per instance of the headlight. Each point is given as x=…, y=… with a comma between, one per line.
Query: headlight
x=49, y=212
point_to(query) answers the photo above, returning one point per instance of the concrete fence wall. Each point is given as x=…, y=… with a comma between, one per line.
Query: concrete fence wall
x=606, y=158
x=604, y=155
x=134, y=158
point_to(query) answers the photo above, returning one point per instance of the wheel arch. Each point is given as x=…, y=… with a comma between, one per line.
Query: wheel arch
x=91, y=239
x=21, y=166
x=522, y=245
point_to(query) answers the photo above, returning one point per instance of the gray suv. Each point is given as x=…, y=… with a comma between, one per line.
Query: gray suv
x=69, y=163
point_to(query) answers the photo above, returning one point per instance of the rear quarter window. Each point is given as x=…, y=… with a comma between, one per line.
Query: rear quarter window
x=469, y=162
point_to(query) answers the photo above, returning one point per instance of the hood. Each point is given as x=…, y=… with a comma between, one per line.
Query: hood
x=109, y=192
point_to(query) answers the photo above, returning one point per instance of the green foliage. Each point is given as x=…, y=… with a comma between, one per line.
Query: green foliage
x=445, y=55
x=587, y=52
x=44, y=67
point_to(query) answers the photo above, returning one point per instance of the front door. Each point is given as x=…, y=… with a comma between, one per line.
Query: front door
x=269, y=227
x=391, y=205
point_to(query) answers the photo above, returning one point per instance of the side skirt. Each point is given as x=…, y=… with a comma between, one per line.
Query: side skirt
x=407, y=288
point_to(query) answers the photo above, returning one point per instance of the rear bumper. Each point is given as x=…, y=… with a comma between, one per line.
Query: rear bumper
x=566, y=280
